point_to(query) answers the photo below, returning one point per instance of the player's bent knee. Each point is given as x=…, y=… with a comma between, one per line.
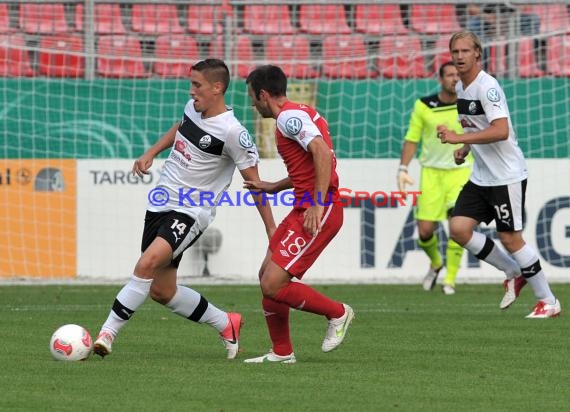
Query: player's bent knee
x=512, y=241
x=268, y=291
x=268, y=288
x=160, y=294
x=147, y=266
x=459, y=234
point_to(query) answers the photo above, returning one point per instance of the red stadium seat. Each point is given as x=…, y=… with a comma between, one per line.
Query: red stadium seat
x=346, y=56
x=203, y=19
x=434, y=18
x=553, y=17
x=107, y=19
x=292, y=54
x=153, y=19
x=216, y=48
x=61, y=56
x=379, y=19
x=5, y=19
x=175, y=46
x=43, y=18
x=323, y=19
x=272, y=19
x=498, y=60
x=241, y=53
x=441, y=53
x=14, y=59
x=527, y=64
x=558, y=61
x=120, y=57
x=401, y=57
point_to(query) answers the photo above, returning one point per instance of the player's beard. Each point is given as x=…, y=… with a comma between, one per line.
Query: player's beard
x=265, y=112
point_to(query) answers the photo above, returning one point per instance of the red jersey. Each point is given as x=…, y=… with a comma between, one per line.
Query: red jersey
x=297, y=126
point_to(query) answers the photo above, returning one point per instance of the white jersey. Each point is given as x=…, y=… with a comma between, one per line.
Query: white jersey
x=202, y=162
x=499, y=163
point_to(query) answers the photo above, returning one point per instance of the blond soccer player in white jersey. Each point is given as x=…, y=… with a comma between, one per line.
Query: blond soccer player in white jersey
x=496, y=187
x=441, y=179
x=206, y=147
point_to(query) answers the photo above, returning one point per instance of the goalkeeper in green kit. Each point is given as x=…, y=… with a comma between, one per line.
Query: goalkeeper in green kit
x=441, y=179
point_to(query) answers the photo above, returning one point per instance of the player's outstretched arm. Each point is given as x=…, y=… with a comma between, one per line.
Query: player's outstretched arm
x=251, y=174
x=143, y=163
x=268, y=187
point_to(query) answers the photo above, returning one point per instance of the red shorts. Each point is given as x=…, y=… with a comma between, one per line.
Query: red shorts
x=295, y=250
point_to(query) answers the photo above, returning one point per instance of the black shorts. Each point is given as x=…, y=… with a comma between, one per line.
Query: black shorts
x=504, y=204
x=178, y=229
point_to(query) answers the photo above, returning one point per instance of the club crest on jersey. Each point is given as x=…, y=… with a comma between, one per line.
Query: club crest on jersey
x=493, y=95
x=472, y=107
x=205, y=141
x=293, y=126
x=245, y=140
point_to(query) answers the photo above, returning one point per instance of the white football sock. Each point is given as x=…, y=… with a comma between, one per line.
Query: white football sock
x=128, y=300
x=485, y=249
x=528, y=260
x=190, y=304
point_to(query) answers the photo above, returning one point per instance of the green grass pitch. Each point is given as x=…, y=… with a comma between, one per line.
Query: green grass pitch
x=407, y=350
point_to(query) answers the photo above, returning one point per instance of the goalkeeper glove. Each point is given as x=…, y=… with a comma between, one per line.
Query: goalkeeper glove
x=404, y=178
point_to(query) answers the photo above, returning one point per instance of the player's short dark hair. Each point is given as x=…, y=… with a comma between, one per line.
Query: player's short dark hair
x=269, y=78
x=214, y=70
x=442, y=68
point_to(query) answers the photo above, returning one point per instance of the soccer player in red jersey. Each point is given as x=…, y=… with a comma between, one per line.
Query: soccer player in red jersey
x=304, y=143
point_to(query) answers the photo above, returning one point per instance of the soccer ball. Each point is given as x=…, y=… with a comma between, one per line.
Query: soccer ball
x=71, y=343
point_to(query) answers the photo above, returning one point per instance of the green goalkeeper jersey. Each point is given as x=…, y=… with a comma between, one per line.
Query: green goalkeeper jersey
x=428, y=113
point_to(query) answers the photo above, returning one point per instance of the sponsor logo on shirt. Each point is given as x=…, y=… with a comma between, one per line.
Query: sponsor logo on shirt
x=466, y=123
x=293, y=126
x=493, y=95
x=180, y=147
x=245, y=140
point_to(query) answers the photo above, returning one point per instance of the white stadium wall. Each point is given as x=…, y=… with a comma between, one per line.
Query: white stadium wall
x=111, y=206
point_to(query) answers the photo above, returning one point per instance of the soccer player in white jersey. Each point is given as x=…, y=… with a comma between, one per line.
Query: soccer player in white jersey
x=304, y=143
x=205, y=148
x=496, y=188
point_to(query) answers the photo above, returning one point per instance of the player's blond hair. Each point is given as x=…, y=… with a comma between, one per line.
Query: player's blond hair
x=466, y=34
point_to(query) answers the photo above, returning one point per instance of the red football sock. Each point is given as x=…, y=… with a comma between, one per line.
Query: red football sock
x=277, y=319
x=303, y=297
